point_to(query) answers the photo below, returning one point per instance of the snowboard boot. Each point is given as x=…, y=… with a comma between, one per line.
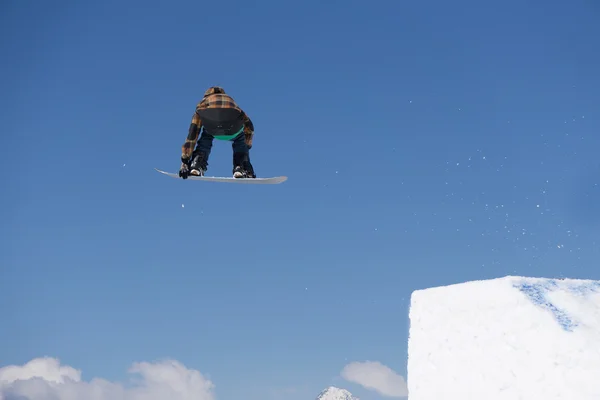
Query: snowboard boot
x=198, y=165
x=242, y=168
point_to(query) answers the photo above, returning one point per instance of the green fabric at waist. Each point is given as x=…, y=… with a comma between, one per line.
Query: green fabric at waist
x=229, y=137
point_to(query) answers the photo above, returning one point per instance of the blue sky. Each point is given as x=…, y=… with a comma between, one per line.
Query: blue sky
x=425, y=144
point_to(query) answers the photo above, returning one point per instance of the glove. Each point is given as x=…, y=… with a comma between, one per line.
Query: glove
x=184, y=170
x=248, y=139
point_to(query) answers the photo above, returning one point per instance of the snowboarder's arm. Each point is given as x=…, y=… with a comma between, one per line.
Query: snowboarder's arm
x=248, y=129
x=192, y=137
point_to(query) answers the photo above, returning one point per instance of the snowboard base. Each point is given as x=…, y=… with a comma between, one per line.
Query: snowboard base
x=252, y=181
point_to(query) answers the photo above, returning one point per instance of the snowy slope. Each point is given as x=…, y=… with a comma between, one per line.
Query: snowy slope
x=333, y=393
x=508, y=338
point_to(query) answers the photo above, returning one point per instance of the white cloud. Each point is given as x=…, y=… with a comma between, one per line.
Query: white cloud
x=376, y=376
x=46, y=379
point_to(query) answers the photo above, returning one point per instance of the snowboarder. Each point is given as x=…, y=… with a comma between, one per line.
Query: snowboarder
x=219, y=116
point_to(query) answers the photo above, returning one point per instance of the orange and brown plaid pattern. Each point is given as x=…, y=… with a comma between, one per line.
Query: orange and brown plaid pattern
x=217, y=100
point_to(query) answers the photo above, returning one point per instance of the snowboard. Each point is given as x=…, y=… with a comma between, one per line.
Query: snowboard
x=252, y=181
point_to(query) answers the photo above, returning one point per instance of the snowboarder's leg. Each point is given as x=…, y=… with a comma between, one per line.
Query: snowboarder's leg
x=200, y=156
x=242, y=168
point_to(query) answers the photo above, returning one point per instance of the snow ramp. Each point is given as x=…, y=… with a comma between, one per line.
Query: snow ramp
x=507, y=338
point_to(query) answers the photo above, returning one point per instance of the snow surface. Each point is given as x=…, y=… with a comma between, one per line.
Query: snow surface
x=507, y=338
x=334, y=393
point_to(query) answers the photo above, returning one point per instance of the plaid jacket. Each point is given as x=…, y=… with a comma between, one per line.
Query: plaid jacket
x=216, y=100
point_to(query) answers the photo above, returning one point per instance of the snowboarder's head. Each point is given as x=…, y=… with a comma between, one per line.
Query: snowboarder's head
x=213, y=90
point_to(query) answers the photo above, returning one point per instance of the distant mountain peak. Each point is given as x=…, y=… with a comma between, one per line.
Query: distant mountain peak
x=333, y=393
